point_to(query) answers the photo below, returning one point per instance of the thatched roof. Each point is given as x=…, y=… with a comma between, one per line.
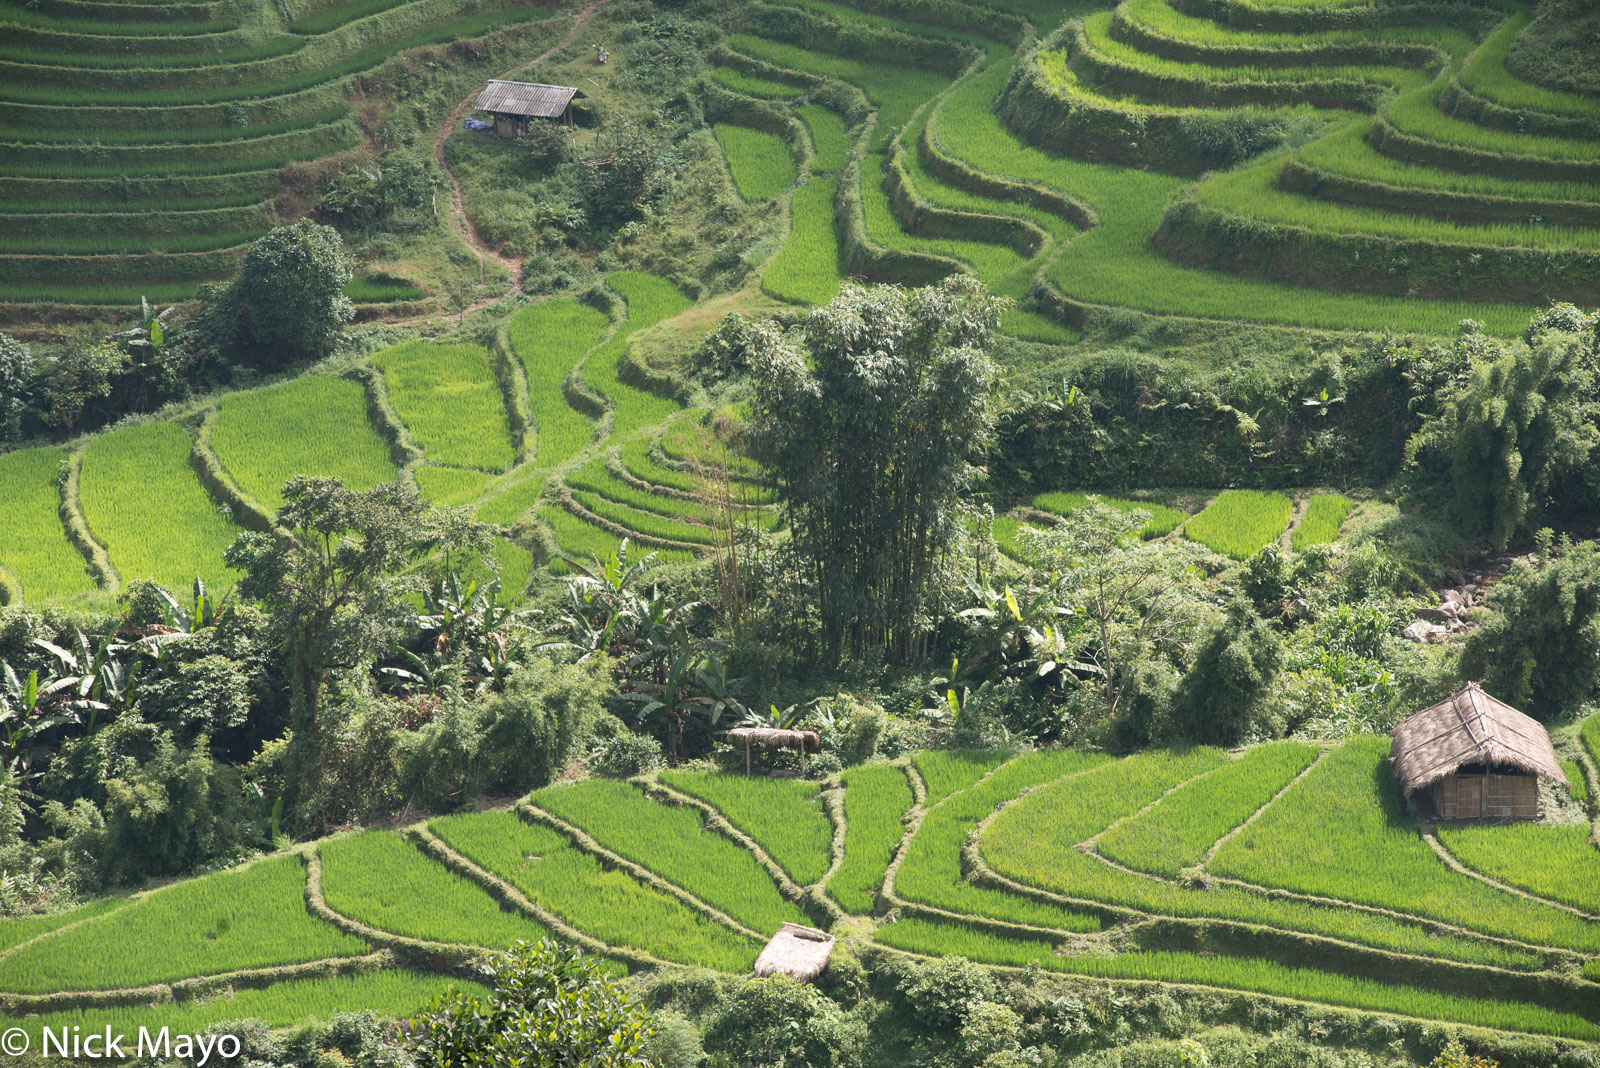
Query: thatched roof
x=526, y=98
x=773, y=738
x=802, y=952
x=1470, y=728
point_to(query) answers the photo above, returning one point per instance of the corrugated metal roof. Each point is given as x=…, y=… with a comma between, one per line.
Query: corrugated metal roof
x=526, y=98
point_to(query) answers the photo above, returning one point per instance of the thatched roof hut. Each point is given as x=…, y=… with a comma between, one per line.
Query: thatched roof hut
x=514, y=103
x=1475, y=757
x=796, y=950
x=802, y=742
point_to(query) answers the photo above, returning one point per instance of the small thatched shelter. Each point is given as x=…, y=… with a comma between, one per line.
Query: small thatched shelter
x=795, y=950
x=513, y=104
x=802, y=742
x=1475, y=757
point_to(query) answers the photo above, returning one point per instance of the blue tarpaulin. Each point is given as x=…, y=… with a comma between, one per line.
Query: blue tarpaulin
x=479, y=125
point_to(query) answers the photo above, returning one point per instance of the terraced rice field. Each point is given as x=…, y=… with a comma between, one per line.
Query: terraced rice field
x=311, y=426
x=605, y=903
x=1163, y=520
x=144, y=153
x=876, y=799
x=673, y=843
x=551, y=339
x=1059, y=845
x=448, y=398
x=252, y=917
x=34, y=549
x=1556, y=863
x=1239, y=523
x=145, y=503
x=806, y=270
x=760, y=162
x=385, y=882
x=1369, y=854
x=783, y=816
x=1325, y=514
x=1380, y=172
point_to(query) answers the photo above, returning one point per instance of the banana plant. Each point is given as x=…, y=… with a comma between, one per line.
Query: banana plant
x=25, y=715
x=429, y=678
x=93, y=678
x=151, y=333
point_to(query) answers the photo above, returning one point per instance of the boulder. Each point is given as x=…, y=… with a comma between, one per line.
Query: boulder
x=1423, y=633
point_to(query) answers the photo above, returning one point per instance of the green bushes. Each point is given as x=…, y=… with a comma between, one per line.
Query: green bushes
x=876, y=799
x=311, y=426
x=1163, y=520
x=807, y=269
x=550, y=339
x=1179, y=829
x=145, y=504
x=1330, y=836
x=253, y=917
x=606, y=904
x=1241, y=522
x=760, y=162
x=33, y=544
x=783, y=816
x=449, y=399
x=384, y=881
x=673, y=843
x=1320, y=525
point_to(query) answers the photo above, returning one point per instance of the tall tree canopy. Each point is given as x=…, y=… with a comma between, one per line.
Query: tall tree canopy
x=288, y=303
x=1523, y=421
x=870, y=418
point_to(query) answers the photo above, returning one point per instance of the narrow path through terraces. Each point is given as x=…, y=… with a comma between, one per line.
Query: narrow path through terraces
x=458, y=214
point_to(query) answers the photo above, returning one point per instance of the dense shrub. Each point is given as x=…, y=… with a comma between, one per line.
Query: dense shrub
x=168, y=815
x=940, y=994
x=1221, y=699
x=780, y=1023
x=625, y=755
x=1540, y=647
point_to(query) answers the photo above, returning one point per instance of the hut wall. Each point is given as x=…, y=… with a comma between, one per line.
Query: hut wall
x=1513, y=796
x=1486, y=796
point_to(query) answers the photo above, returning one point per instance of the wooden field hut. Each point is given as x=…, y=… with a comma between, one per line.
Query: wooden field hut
x=802, y=742
x=515, y=105
x=1474, y=757
x=796, y=950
